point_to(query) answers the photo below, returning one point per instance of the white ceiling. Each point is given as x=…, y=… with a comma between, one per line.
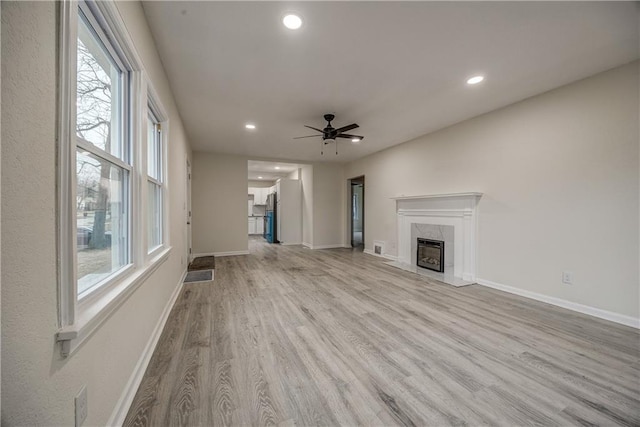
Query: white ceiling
x=268, y=171
x=398, y=69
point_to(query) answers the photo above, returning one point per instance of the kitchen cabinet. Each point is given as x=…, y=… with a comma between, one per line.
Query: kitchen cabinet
x=256, y=225
x=259, y=195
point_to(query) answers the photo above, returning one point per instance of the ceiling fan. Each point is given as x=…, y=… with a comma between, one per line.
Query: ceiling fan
x=329, y=133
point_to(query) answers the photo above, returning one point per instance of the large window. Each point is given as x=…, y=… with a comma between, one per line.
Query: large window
x=103, y=166
x=154, y=182
x=111, y=170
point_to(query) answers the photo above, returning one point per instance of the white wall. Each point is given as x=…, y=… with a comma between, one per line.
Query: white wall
x=559, y=173
x=38, y=386
x=260, y=183
x=328, y=205
x=219, y=203
x=306, y=175
x=294, y=174
x=0, y=210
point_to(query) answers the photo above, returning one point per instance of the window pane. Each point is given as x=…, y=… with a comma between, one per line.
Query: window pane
x=102, y=228
x=99, y=94
x=153, y=149
x=154, y=220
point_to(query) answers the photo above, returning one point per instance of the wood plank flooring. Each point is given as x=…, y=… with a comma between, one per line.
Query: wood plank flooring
x=289, y=336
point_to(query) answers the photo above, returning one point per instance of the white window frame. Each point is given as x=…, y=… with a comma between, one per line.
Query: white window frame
x=156, y=109
x=128, y=154
x=79, y=318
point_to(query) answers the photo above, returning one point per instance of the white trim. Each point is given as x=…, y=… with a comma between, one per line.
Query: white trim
x=573, y=306
x=386, y=256
x=290, y=243
x=96, y=312
x=438, y=196
x=108, y=16
x=67, y=241
x=137, y=215
x=126, y=398
x=153, y=106
x=220, y=254
x=334, y=246
x=91, y=148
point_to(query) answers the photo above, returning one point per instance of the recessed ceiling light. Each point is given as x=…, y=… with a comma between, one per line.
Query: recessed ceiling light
x=277, y=167
x=475, y=80
x=259, y=177
x=250, y=126
x=292, y=22
x=355, y=140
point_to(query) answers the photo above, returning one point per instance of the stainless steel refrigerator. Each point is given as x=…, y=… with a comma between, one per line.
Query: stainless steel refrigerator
x=271, y=219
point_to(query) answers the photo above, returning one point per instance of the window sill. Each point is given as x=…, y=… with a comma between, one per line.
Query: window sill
x=92, y=313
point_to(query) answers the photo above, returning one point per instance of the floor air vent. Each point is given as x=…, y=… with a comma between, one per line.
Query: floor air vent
x=199, y=276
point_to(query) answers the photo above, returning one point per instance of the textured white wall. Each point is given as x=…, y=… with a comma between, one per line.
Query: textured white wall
x=219, y=192
x=38, y=386
x=560, y=177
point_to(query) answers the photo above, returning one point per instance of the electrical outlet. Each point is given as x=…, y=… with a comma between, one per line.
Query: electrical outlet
x=81, y=406
x=567, y=278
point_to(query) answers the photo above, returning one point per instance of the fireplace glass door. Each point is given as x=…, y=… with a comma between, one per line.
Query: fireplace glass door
x=431, y=254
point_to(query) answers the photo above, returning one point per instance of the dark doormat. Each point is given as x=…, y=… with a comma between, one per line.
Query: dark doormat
x=203, y=263
x=199, y=276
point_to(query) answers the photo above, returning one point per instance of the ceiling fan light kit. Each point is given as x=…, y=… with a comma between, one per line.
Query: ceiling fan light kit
x=330, y=134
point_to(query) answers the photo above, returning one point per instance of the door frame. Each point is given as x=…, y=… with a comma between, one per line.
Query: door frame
x=188, y=213
x=351, y=182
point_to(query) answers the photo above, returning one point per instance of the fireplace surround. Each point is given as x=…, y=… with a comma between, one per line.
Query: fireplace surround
x=445, y=212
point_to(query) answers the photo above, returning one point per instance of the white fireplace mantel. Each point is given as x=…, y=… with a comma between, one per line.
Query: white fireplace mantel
x=454, y=209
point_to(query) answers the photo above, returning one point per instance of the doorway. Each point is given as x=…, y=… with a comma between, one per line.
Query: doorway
x=188, y=212
x=357, y=212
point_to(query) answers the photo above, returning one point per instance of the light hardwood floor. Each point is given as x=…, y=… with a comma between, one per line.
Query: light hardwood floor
x=292, y=336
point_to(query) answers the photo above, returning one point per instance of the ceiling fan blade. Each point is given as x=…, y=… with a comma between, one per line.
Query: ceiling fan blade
x=308, y=136
x=310, y=127
x=348, y=136
x=347, y=128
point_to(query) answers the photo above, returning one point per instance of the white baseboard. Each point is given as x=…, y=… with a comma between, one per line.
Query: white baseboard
x=580, y=308
x=221, y=254
x=338, y=245
x=306, y=245
x=126, y=399
x=231, y=253
x=290, y=243
x=386, y=256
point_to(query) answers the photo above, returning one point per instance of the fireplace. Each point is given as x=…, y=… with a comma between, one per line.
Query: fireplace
x=430, y=254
